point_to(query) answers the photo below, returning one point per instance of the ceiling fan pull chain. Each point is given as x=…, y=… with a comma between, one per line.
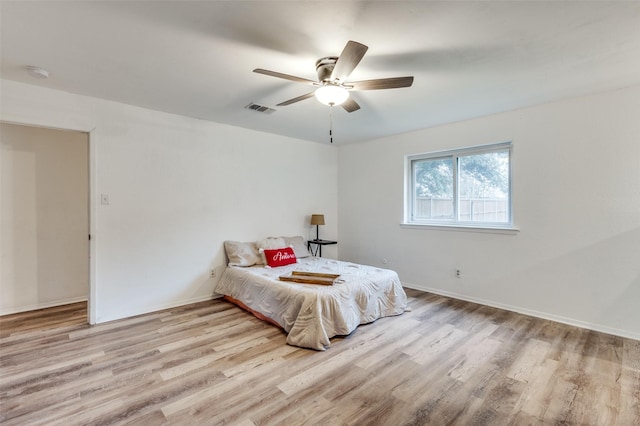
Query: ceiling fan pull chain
x=331, y=123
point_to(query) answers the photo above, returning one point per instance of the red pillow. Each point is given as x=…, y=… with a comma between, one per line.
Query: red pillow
x=280, y=257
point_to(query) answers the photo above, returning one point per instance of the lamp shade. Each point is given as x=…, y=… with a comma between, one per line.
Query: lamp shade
x=317, y=219
x=332, y=95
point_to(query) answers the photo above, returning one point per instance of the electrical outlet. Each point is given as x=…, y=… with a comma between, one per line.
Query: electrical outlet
x=385, y=261
x=458, y=273
x=214, y=273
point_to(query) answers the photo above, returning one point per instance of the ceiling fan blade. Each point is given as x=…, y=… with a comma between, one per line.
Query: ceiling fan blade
x=382, y=83
x=350, y=57
x=285, y=76
x=350, y=105
x=298, y=99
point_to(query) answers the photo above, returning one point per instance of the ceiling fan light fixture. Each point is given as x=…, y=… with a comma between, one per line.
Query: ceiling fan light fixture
x=331, y=95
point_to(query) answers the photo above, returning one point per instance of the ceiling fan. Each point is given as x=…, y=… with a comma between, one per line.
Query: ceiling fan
x=332, y=85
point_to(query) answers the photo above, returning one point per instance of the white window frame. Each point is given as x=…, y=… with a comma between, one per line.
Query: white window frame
x=456, y=223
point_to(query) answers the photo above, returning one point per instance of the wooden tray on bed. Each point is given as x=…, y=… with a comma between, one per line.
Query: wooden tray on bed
x=304, y=277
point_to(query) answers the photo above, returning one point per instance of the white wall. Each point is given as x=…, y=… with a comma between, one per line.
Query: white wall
x=45, y=218
x=178, y=187
x=576, y=172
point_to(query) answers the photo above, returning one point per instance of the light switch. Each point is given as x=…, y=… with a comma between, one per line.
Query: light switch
x=104, y=199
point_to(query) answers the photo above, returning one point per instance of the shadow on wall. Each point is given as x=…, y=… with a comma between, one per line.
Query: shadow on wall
x=598, y=285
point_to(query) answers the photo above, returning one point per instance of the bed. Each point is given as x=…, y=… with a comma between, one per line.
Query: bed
x=311, y=314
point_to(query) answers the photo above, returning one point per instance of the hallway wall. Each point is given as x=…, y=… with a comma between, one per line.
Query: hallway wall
x=45, y=217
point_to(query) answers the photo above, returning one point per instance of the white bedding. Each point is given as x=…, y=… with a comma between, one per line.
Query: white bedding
x=312, y=314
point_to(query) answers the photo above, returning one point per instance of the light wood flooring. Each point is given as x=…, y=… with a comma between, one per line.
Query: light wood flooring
x=447, y=362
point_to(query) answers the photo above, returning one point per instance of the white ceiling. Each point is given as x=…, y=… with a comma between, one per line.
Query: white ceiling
x=195, y=58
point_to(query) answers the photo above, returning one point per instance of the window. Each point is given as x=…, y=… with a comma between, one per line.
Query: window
x=464, y=187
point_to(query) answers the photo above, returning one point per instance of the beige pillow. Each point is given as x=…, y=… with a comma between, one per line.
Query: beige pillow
x=242, y=254
x=272, y=243
x=298, y=244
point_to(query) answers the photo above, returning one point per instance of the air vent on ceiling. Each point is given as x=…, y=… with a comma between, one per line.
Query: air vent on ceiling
x=260, y=108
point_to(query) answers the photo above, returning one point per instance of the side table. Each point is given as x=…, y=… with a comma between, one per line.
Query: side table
x=318, y=246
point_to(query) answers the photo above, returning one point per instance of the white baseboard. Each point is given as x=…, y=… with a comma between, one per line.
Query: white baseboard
x=156, y=308
x=530, y=312
x=61, y=302
x=26, y=308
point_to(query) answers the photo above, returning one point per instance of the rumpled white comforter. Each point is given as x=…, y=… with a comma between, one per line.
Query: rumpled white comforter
x=312, y=314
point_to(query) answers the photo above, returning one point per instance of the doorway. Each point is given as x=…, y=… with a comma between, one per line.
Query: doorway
x=45, y=217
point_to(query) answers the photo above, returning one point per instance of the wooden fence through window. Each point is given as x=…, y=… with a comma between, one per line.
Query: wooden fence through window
x=471, y=210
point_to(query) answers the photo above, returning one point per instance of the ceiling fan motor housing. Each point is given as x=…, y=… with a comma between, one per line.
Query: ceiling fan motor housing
x=324, y=68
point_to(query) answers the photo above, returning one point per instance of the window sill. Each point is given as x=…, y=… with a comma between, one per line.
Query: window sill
x=509, y=230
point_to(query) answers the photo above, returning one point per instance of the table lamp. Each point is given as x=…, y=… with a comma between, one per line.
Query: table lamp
x=317, y=219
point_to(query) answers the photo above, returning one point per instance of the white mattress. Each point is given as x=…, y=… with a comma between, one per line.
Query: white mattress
x=312, y=314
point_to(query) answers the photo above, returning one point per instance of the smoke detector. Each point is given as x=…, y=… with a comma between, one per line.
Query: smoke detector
x=37, y=72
